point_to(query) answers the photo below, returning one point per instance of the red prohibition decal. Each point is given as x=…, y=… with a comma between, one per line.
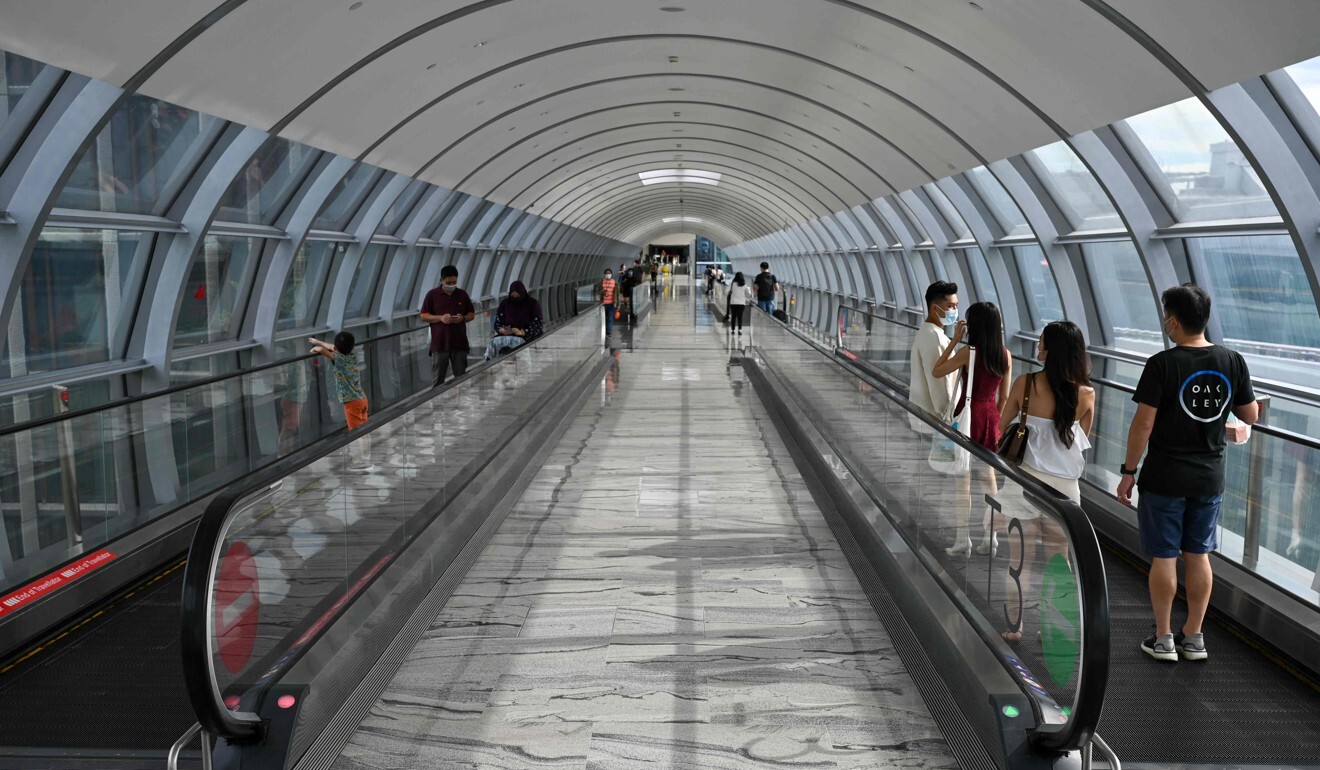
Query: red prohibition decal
x=237, y=607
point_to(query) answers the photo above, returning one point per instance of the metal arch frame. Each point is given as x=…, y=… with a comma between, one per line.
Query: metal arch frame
x=641, y=211
x=576, y=139
x=585, y=208
x=583, y=188
x=264, y=304
x=596, y=212
x=387, y=188
x=939, y=236
x=691, y=75
x=414, y=223
x=649, y=140
x=902, y=100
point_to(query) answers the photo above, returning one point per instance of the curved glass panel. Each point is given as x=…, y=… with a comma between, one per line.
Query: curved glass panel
x=215, y=284
x=1000, y=202
x=1042, y=292
x=1193, y=158
x=408, y=268
x=1123, y=295
x=16, y=74
x=261, y=190
x=1307, y=77
x=1263, y=304
x=346, y=198
x=955, y=221
x=985, y=283
x=303, y=288
x=146, y=146
x=401, y=208
x=1075, y=189
x=365, y=278
x=75, y=299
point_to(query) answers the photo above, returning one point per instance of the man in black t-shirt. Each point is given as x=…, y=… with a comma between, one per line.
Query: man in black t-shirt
x=766, y=286
x=1183, y=401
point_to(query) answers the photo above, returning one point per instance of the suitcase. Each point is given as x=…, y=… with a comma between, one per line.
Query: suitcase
x=781, y=316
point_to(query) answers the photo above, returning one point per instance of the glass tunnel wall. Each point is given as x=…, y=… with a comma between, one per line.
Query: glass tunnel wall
x=144, y=245
x=1221, y=189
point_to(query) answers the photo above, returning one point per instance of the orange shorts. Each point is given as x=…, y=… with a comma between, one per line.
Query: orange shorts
x=355, y=412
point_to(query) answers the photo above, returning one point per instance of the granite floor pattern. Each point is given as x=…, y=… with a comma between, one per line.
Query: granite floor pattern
x=665, y=595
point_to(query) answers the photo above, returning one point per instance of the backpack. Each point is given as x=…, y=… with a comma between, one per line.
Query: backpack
x=765, y=286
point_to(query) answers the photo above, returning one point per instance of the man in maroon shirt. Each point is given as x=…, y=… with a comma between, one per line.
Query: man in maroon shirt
x=448, y=309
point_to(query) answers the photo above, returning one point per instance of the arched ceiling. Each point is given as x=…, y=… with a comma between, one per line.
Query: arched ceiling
x=805, y=107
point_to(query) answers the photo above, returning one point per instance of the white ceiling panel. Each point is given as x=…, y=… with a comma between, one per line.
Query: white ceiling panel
x=552, y=104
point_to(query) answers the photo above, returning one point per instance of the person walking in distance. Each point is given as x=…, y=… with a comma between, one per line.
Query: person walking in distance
x=608, y=291
x=767, y=286
x=1183, y=400
x=448, y=309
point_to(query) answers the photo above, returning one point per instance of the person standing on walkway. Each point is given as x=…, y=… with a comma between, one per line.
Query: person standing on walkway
x=1183, y=400
x=608, y=289
x=767, y=286
x=991, y=375
x=740, y=296
x=925, y=390
x=448, y=309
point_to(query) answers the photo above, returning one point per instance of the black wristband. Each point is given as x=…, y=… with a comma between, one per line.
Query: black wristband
x=1126, y=471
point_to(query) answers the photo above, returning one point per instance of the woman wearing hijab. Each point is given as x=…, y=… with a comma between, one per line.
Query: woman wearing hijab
x=518, y=320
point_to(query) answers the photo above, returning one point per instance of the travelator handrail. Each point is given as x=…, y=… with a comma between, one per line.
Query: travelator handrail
x=41, y=422
x=1088, y=565
x=1269, y=430
x=204, y=555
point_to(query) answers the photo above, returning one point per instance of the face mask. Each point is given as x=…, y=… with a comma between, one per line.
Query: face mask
x=1040, y=355
x=450, y=288
x=950, y=316
x=609, y=276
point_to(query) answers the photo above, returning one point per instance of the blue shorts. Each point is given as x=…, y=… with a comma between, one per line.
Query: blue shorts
x=1173, y=525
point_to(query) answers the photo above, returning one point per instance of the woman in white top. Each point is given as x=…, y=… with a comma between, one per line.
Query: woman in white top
x=1060, y=412
x=1059, y=416
x=740, y=296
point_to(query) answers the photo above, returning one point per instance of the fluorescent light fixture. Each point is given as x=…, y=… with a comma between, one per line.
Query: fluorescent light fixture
x=679, y=175
x=669, y=220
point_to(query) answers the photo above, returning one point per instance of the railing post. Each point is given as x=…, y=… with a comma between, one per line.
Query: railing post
x=68, y=468
x=1255, y=505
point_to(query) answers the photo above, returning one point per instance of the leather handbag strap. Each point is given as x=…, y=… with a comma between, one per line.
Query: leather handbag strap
x=1026, y=398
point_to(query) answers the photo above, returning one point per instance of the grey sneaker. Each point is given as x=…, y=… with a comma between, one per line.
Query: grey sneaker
x=1191, y=646
x=1160, y=647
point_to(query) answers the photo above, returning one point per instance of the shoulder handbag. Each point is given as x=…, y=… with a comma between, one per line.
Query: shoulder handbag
x=945, y=455
x=1013, y=444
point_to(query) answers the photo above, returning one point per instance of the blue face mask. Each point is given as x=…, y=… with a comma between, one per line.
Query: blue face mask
x=950, y=316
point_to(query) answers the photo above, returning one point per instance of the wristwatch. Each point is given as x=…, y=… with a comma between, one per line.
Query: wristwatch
x=1126, y=471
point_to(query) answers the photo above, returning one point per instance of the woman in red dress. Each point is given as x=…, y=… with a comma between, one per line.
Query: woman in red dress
x=991, y=380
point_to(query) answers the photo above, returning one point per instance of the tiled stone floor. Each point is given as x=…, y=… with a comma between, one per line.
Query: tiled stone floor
x=665, y=595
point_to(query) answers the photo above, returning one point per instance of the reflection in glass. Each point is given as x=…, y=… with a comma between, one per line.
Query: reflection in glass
x=346, y=198
x=1042, y=293
x=1124, y=295
x=364, y=282
x=1206, y=172
x=144, y=147
x=401, y=208
x=74, y=300
x=1000, y=202
x=265, y=184
x=301, y=297
x=16, y=74
x=985, y=283
x=1075, y=190
x=956, y=223
x=215, y=284
x=408, y=270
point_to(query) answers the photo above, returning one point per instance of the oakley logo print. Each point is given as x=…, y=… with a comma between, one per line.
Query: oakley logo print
x=1205, y=396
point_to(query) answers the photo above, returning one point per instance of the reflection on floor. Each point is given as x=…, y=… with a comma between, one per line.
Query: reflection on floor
x=665, y=595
